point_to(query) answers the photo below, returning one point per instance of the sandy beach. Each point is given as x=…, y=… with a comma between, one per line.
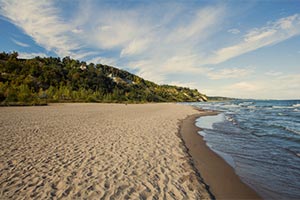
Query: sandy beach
x=96, y=151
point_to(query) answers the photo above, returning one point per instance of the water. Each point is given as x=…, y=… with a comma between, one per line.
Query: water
x=260, y=140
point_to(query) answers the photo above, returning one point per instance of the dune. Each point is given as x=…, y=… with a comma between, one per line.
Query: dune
x=96, y=151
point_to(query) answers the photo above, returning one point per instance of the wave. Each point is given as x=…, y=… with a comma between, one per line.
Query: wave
x=292, y=130
x=263, y=129
x=230, y=119
x=231, y=106
x=207, y=122
x=289, y=138
x=282, y=107
x=246, y=103
x=285, y=128
x=292, y=151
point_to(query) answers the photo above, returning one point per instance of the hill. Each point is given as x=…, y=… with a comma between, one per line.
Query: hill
x=41, y=80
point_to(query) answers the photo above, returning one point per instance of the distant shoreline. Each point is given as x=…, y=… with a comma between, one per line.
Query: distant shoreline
x=219, y=176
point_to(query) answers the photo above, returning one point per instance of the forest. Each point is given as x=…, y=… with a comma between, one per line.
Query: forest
x=38, y=81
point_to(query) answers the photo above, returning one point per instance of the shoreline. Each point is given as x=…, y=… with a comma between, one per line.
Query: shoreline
x=219, y=177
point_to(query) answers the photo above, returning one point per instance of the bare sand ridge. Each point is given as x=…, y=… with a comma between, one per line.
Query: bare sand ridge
x=94, y=151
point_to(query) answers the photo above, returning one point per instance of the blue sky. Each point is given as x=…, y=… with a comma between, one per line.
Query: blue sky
x=248, y=49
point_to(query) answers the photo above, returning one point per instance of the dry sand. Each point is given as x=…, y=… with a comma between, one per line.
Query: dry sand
x=96, y=151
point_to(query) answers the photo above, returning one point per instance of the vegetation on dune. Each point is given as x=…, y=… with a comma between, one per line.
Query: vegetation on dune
x=41, y=80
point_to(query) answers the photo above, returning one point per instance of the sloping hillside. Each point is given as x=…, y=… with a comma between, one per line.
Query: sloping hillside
x=62, y=80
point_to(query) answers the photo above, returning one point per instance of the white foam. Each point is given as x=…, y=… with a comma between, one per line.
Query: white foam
x=231, y=106
x=202, y=133
x=246, y=103
x=293, y=131
x=282, y=107
x=207, y=122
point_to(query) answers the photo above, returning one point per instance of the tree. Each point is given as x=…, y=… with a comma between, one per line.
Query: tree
x=32, y=80
x=24, y=94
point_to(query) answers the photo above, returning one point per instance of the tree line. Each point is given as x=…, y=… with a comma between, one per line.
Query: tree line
x=50, y=79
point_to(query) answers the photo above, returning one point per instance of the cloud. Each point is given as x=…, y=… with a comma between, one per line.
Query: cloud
x=135, y=47
x=77, y=30
x=103, y=60
x=245, y=86
x=192, y=85
x=290, y=82
x=111, y=27
x=272, y=33
x=242, y=89
x=168, y=36
x=229, y=73
x=276, y=87
x=200, y=23
x=156, y=40
x=30, y=55
x=144, y=68
x=156, y=44
x=41, y=21
x=22, y=44
x=273, y=73
x=184, y=64
x=234, y=31
x=174, y=53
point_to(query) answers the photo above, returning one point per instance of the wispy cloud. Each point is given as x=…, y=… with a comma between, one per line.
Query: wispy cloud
x=234, y=31
x=156, y=40
x=30, y=55
x=135, y=47
x=192, y=85
x=154, y=33
x=201, y=23
x=22, y=44
x=273, y=73
x=229, y=73
x=41, y=21
x=272, y=33
x=103, y=60
x=245, y=86
x=279, y=87
x=170, y=48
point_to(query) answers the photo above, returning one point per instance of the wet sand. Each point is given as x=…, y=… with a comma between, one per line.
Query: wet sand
x=216, y=173
x=96, y=151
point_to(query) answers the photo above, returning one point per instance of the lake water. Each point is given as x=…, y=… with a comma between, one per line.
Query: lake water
x=260, y=140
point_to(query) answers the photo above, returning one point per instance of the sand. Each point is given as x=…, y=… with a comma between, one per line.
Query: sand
x=220, y=176
x=96, y=151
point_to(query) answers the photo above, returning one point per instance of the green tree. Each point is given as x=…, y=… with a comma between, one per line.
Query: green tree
x=24, y=94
